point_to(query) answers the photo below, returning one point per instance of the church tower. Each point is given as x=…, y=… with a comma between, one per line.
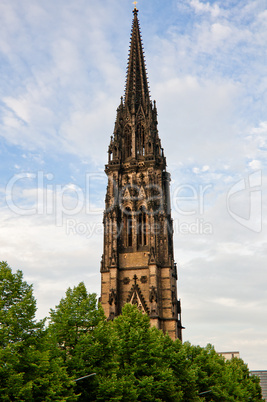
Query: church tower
x=137, y=265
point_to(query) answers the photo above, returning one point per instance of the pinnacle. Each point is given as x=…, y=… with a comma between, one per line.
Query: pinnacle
x=136, y=90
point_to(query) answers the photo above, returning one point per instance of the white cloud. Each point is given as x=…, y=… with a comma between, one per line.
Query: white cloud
x=200, y=111
x=200, y=7
x=59, y=63
x=255, y=164
x=220, y=32
x=57, y=243
x=63, y=74
x=19, y=107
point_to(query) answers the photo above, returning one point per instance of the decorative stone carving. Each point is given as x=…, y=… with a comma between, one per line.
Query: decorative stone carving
x=143, y=279
x=138, y=249
x=113, y=258
x=113, y=297
x=153, y=296
x=135, y=297
x=152, y=258
x=135, y=278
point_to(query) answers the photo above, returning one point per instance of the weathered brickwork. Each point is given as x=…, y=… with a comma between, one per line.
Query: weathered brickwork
x=137, y=265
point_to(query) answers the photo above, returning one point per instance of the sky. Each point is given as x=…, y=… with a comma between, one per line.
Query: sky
x=63, y=69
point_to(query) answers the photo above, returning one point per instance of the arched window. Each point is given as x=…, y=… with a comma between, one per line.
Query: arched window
x=128, y=141
x=140, y=140
x=128, y=224
x=142, y=227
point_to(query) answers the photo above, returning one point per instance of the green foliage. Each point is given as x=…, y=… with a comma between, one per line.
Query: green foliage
x=72, y=328
x=226, y=380
x=27, y=372
x=76, y=315
x=242, y=385
x=17, y=307
x=141, y=357
x=132, y=361
x=185, y=376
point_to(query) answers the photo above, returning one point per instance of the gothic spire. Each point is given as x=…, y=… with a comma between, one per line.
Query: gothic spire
x=136, y=90
x=138, y=229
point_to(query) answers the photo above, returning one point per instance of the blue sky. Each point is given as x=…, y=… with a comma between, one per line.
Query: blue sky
x=63, y=67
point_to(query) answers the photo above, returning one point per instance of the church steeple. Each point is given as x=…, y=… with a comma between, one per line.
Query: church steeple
x=135, y=133
x=138, y=265
x=136, y=90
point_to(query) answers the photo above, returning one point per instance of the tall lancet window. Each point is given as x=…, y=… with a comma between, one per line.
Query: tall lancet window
x=142, y=227
x=128, y=141
x=140, y=140
x=128, y=225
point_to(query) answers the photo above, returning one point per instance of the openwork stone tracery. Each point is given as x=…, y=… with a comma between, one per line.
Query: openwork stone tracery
x=138, y=265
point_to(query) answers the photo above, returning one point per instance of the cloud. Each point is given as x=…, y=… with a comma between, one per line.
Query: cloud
x=63, y=70
x=201, y=111
x=65, y=66
x=57, y=242
x=255, y=164
x=222, y=275
x=200, y=7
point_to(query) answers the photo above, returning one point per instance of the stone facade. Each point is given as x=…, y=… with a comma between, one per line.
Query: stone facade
x=137, y=265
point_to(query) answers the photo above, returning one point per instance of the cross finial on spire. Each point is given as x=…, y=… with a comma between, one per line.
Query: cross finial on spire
x=135, y=3
x=136, y=90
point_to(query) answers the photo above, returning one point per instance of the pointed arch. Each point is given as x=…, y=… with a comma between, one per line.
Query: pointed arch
x=128, y=227
x=128, y=141
x=135, y=297
x=142, y=227
x=140, y=139
x=149, y=145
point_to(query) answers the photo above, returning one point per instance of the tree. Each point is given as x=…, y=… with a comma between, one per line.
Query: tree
x=134, y=362
x=72, y=328
x=242, y=385
x=126, y=354
x=131, y=360
x=225, y=380
x=76, y=315
x=149, y=366
x=145, y=364
x=141, y=373
x=185, y=374
x=27, y=372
